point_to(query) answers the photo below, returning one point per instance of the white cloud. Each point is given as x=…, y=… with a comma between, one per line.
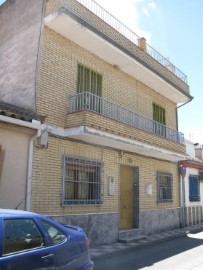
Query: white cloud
x=152, y=5
x=126, y=12
x=144, y=10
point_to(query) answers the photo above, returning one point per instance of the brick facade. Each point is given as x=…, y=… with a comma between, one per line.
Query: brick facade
x=59, y=58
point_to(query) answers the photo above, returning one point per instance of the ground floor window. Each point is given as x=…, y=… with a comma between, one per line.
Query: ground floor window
x=194, y=188
x=165, y=187
x=82, y=181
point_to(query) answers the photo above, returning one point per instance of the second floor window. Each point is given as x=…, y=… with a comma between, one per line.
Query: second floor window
x=159, y=116
x=89, y=89
x=89, y=81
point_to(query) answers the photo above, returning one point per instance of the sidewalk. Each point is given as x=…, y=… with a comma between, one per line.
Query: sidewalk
x=149, y=240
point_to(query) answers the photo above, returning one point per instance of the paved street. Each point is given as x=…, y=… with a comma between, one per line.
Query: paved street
x=183, y=253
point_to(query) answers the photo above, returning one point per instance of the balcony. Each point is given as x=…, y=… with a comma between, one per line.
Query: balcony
x=90, y=102
x=129, y=34
x=91, y=27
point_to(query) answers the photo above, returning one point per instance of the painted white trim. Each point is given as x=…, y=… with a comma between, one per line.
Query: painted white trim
x=34, y=125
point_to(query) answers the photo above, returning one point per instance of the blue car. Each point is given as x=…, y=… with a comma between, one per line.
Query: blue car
x=31, y=241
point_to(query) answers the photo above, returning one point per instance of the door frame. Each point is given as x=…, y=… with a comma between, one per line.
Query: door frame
x=135, y=194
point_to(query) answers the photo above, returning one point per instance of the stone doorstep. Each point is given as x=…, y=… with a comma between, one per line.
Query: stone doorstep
x=130, y=235
x=132, y=239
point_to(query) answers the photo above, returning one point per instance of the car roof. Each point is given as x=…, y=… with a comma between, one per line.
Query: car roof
x=13, y=212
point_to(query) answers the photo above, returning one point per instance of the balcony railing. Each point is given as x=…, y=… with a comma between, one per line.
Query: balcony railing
x=91, y=102
x=98, y=10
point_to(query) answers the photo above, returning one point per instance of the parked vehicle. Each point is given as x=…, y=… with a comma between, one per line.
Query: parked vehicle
x=30, y=241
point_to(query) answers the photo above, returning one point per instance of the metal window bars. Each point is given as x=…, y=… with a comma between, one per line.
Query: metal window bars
x=91, y=102
x=164, y=187
x=82, y=182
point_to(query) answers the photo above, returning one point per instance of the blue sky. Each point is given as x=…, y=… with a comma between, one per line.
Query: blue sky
x=173, y=28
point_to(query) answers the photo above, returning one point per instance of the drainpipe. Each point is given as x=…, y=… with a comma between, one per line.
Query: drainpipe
x=29, y=170
x=180, y=107
x=182, y=170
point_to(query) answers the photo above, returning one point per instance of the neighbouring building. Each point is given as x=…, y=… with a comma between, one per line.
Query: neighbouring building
x=191, y=179
x=104, y=132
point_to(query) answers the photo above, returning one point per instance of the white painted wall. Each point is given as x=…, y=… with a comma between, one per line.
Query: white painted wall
x=186, y=179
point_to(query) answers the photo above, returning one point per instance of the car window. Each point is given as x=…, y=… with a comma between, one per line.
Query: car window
x=20, y=235
x=56, y=235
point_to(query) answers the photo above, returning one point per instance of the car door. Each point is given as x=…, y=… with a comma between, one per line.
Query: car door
x=70, y=251
x=24, y=246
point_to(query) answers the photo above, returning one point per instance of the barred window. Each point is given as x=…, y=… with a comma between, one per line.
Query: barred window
x=89, y=81
x=82, y=181
x=159, y=116
x=165, y=187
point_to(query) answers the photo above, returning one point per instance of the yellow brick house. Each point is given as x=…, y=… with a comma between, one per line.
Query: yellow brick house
x=108, y=156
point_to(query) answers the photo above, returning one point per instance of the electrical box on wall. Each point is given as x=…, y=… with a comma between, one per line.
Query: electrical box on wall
x=149, y=189
x=111, y=185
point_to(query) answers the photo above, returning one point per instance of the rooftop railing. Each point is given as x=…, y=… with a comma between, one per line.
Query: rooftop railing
x=91, y=102
x=103, y=14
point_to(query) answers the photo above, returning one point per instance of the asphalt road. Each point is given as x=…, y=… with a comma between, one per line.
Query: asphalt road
x=185, y=253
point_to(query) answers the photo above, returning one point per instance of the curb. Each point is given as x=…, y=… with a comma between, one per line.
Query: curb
x=149, y=240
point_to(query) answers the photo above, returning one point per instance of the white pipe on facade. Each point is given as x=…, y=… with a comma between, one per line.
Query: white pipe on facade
x=29, y=170
x=34, y=125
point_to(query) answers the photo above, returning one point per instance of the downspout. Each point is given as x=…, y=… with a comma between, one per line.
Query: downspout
x=180, y=107
x=182, y=173
x=29, y=170
x=182, y=181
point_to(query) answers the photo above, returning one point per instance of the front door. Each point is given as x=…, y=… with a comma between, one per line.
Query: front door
x=126, y=197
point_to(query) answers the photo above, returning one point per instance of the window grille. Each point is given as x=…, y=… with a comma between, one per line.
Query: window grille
x=82, y=181
x=165, y=187
x=89, y=81
x=159, y=117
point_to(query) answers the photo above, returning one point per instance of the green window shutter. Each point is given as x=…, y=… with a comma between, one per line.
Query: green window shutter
x=159, y=114
x=89, y=81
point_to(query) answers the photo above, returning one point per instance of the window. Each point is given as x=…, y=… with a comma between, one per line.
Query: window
x=194, y=186
x=56, y=235
x=89, y=81
x=89, y=88
x=164, y=184
x=81, y=181
x=159, y=116
x=21, y=235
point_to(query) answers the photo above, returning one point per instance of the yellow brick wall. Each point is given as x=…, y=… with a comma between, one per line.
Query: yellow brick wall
x=99, y=122
x=58, y=80
x=47, y=177
x=76, y=8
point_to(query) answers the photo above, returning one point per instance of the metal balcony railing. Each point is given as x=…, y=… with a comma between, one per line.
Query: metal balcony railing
x=91, y=102
x=103, y=14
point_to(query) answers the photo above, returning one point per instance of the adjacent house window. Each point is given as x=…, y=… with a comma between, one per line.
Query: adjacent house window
x=194, y=188
x=159, y=116
x=82, y=181
x=165, y=187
